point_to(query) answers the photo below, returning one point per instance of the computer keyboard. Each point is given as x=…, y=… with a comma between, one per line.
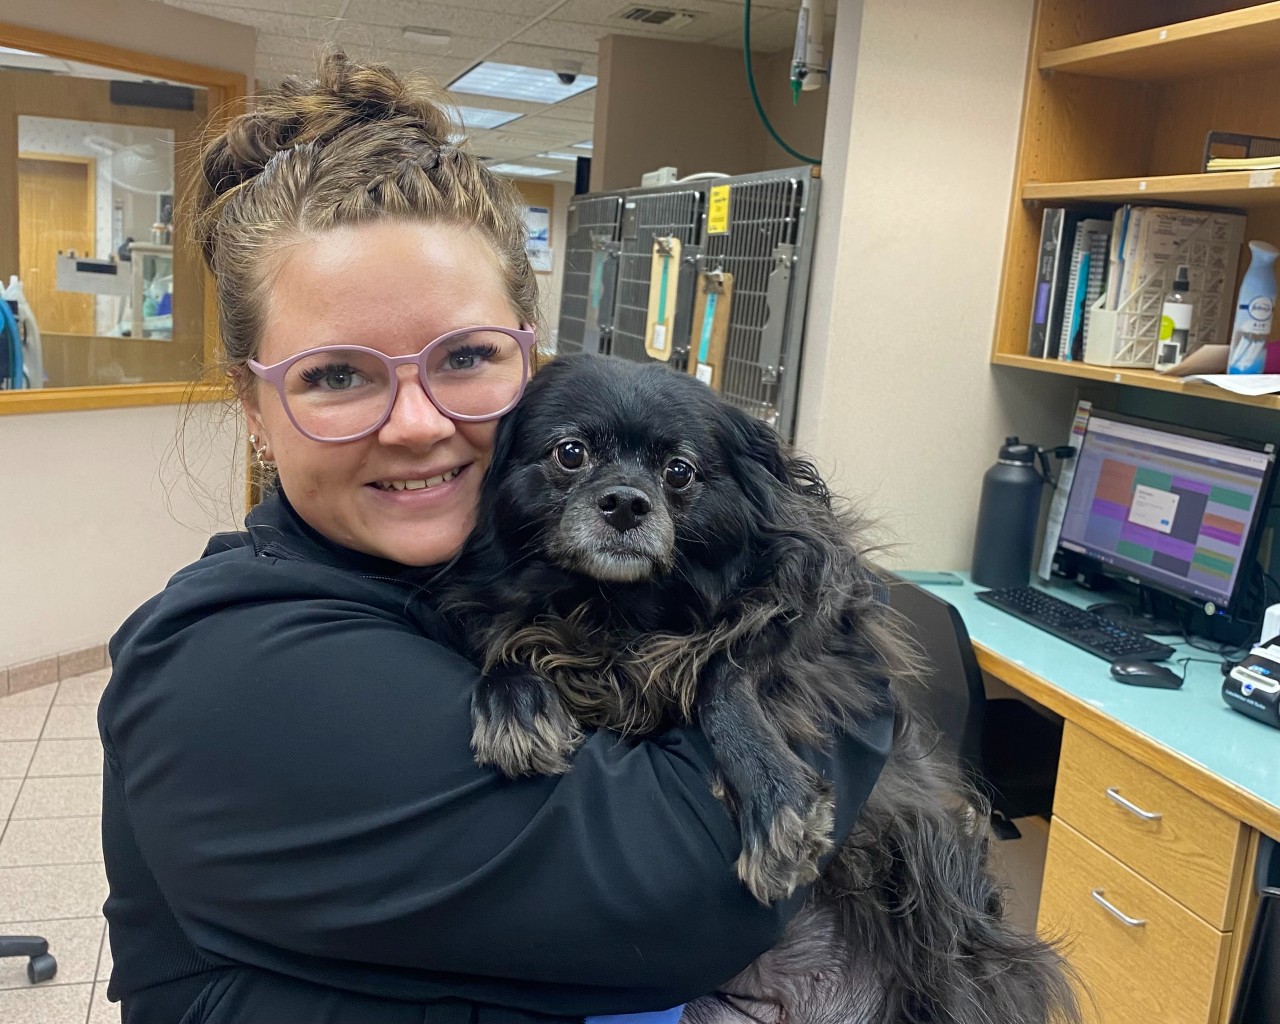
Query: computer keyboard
x=1087, y=630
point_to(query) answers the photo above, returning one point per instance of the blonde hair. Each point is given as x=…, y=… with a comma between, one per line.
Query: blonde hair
x=357, y=144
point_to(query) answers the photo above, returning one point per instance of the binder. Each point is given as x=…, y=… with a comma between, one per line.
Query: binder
x=1087, y=276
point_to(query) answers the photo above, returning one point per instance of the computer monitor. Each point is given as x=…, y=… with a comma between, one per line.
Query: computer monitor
x=1171, y=508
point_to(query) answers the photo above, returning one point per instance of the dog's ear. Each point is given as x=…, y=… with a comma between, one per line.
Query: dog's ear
x=770, y=475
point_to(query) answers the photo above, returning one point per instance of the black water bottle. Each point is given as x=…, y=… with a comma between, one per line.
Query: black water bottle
x=1007, y=518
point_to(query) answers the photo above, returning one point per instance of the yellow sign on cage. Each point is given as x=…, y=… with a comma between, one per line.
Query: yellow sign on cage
x=718, y=210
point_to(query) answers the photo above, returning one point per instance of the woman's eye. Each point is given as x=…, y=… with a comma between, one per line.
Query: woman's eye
x=334, y=377
x=470, y=356
x=678, y=474
x=570, y=454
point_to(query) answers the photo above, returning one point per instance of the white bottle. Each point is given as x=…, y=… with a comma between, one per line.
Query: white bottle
x=1175, y=323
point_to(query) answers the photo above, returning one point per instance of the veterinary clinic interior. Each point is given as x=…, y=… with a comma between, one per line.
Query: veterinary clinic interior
x=1004, y=269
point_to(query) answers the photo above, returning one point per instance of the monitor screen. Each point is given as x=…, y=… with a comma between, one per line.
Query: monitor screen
x=1172, y=508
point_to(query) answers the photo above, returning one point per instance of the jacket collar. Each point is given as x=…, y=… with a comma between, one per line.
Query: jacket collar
x=276, y=530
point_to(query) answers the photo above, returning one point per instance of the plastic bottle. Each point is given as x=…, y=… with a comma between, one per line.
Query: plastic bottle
x=1175, y=322
x=1254, y=308
x=1008, y=515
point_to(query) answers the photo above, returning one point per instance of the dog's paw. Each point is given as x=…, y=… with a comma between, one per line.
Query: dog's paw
x=519, y=726
x=783, y=838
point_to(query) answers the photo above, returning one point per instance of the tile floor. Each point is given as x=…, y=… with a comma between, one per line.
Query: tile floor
x=51, y=877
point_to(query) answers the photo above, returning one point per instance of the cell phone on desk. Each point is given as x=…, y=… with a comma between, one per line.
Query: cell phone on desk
x=926, y=578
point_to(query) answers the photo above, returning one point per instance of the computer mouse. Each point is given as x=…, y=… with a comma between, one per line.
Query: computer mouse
x=1145, y=673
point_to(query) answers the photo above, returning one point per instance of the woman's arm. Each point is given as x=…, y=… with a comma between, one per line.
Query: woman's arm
x=305, y=789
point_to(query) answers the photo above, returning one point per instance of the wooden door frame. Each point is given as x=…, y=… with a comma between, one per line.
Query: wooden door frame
x=226, y=91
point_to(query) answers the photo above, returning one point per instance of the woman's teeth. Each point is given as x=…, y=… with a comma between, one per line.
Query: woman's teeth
x=417, y=485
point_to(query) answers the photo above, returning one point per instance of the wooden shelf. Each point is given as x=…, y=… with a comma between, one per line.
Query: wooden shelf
x=1218, y=44
x=1148, y=379
x=1229, y=188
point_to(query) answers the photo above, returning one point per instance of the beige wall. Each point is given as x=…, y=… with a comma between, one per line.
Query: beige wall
x=96, y=509
x=142, y=25
x=99, y=511
x=687, y=106
x=898, y=401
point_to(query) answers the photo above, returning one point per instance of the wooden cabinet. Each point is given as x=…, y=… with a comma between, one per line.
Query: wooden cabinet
x=1183, y=844
x=1120, y=96
x=1142, y=881
x=1141, y=955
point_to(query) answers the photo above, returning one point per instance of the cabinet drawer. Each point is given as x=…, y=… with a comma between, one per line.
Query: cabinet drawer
x=1169, y=836
x=1168, y=968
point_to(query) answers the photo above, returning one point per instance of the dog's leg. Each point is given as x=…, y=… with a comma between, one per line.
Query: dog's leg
x=785, y=810
x=519, y=724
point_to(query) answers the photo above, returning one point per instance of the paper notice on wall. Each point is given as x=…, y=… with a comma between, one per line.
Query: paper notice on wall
x=1058, y=506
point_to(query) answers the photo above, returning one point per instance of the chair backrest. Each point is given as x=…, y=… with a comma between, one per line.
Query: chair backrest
x=951, y=695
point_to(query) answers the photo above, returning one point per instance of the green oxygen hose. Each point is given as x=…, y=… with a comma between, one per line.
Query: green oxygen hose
x=755, y=96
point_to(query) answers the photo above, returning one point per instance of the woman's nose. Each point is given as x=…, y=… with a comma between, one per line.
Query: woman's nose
x=414, y=421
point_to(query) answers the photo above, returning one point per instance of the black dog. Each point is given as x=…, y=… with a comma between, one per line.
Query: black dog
x=649, y=554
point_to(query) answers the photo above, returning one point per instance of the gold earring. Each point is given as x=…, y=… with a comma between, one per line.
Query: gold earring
x=258, y=452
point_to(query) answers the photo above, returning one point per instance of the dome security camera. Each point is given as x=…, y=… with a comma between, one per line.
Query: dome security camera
x=568, y=72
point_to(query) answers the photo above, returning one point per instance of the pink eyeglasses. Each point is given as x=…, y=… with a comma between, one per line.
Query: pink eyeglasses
x=346, y=392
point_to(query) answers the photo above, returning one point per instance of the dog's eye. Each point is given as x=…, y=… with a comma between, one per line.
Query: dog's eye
x=678, y=474
x=570, y=454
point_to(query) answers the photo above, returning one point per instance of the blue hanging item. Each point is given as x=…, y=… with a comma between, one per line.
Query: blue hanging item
x=10, y=348
x=671, y=1016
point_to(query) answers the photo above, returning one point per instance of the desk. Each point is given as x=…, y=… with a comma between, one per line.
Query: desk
x=1211, y=775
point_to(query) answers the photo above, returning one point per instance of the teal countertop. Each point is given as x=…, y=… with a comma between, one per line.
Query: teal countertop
x=1192, y=722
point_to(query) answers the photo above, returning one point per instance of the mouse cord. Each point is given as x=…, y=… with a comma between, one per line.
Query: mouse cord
x=1184, y=662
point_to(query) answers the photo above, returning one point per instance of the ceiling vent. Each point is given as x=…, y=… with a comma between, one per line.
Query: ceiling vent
x=655, y=17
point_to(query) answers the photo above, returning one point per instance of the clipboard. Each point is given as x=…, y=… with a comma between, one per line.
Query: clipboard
x=664, y=279
x=710, y=335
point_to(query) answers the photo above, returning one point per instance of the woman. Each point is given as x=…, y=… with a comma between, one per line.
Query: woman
x=294, y=827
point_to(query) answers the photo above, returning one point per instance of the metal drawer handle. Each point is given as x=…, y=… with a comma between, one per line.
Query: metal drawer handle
x=1133, y=808
x=1115, y=911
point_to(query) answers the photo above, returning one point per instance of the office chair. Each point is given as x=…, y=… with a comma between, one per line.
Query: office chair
x=1007, y=749
x=42, y=966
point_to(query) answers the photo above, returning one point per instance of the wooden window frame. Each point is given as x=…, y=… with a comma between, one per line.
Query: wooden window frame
x=226, y=92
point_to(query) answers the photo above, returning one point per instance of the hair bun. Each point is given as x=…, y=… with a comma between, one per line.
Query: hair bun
x=345, y=94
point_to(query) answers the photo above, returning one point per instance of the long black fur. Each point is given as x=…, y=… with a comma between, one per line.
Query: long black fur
x=743, y=602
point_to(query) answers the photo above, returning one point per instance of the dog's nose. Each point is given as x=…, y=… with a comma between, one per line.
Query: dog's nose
x=624, y=507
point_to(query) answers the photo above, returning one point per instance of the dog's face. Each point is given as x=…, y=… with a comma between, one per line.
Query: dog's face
x=618, y=469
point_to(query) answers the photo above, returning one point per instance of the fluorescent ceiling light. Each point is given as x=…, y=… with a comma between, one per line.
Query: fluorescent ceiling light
x=523, y=170
x=430, y=36
x=482, y=117
x=514, y=82
x=582, y=145
x=558, y=156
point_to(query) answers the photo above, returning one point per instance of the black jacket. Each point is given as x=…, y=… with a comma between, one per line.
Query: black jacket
x=295, y=830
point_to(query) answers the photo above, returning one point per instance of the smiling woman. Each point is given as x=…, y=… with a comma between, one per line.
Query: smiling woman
x=108, y=302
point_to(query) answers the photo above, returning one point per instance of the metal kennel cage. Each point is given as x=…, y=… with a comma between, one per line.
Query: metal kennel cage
x=765, y=239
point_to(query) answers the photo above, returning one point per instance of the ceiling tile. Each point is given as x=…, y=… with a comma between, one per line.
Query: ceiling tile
x=460, y=18
x=543, y=56
x=547, y=127
x=770, y=32
x=710, y=18
x=231, y=11
x=301, y=60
